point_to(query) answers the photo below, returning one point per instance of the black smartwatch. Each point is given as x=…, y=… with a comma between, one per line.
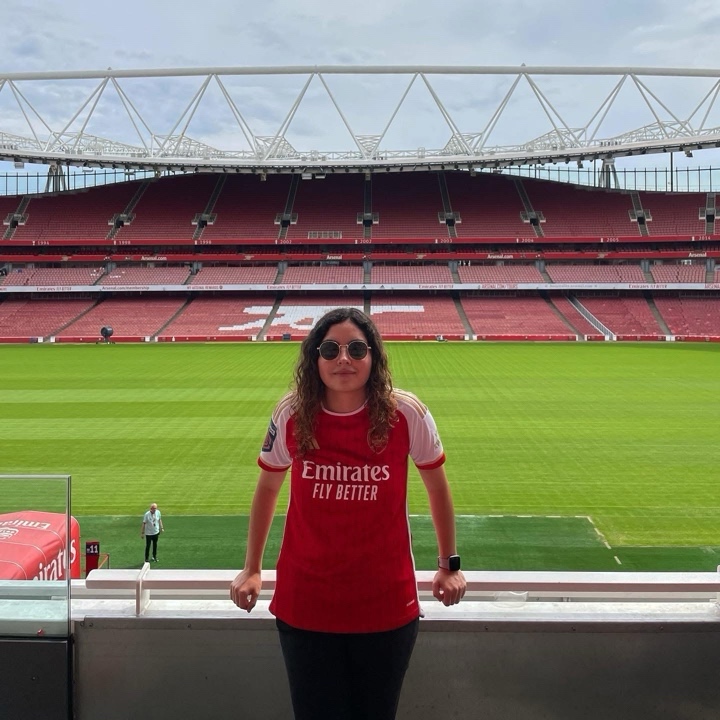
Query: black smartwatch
x=451, y=563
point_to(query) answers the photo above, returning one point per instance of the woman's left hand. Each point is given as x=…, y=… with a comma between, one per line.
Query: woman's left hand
x=449, y=587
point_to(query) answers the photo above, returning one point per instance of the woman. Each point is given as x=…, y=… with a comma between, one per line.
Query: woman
x=345, y=601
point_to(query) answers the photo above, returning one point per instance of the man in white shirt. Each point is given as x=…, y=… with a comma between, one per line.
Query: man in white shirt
x=151, y=528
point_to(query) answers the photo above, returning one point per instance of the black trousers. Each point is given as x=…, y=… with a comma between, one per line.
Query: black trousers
x=346, y=676
x=151, y=539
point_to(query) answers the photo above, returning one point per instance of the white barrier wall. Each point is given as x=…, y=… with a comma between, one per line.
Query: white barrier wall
x=490, y=670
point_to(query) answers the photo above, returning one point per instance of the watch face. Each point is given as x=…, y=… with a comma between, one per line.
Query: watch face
x=449, y=563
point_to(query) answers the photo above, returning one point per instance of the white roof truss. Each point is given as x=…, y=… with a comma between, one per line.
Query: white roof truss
x=158, y=140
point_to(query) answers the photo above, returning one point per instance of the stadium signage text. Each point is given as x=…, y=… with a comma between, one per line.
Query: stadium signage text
x=55, y=569
x=25, y=523
x=236, y=287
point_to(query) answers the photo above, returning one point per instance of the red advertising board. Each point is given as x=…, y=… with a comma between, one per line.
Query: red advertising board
x=32, y=546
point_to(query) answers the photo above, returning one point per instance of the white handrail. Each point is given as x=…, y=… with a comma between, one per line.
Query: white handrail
x=187, y=584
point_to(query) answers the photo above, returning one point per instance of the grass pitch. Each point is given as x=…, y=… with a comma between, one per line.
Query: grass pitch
x=627, y=435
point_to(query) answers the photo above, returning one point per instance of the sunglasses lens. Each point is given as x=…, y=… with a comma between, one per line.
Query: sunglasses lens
x=329, y=350
x=357, y=349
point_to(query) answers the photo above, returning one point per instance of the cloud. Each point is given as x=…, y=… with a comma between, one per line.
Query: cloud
x=50, y=35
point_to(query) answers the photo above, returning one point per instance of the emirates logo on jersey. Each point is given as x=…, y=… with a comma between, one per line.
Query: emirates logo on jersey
x=344, y=473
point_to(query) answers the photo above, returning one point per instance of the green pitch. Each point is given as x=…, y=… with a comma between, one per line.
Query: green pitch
x=626, y=437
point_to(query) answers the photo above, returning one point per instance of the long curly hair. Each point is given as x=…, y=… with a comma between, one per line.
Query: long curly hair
x=309, y=389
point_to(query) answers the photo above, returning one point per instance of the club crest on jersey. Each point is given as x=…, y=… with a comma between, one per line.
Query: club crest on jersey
x=270, y=437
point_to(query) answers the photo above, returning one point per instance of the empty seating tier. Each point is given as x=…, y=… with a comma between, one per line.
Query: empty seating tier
x=595, y=273
x=416, y=316
x=216, y=318
x=250, y=275
x=22, y=319
x=328, y=208
x=128, y=275
x=297, y=314
x=410, y=274
x=502, y=274
x=407, y=209
x=57, y=277
x=667, y=273
x=247, y=208
x=74, y=216
x=623, y=315
x=129, y=318
x=323, y=275
x=514, y=317
x=697, y=317
x=488, y=206
x=167, y=207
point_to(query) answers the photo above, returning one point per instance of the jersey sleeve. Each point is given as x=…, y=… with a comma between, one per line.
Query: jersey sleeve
x=274, y=455
x=426, y=449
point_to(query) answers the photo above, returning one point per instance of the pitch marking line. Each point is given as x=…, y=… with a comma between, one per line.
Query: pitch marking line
x=601, y=536
x=554, y=517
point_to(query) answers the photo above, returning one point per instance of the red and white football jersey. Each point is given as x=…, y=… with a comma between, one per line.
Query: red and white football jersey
x=346, y=561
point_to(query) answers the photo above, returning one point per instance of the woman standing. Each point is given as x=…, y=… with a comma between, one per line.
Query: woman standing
x=346, y=602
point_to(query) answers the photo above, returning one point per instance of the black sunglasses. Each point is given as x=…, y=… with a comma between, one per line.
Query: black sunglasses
x=356, y=349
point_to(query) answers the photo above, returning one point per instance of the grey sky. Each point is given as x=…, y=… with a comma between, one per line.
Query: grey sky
x=85, y=34
x=46, y=35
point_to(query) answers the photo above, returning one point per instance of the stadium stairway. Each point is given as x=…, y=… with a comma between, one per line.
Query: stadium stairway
x=447, y=206
x=595, y=322
x=557, y=312
x=534, y=217
x=454, y=272
x=271, y=316
x=75, y=319
x=281, y=268
x=656, y=313
x=207, y=213
x=639, y=215
x=127, y=214
x=179, y=311
x=19, y=216
x=544, y=273
x=461, y=313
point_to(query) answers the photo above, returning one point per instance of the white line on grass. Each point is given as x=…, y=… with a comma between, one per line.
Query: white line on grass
x=599, y=534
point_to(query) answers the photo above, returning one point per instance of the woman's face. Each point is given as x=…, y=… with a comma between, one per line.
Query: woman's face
x=344, y=378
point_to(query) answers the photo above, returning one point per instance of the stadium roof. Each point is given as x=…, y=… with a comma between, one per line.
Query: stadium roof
x=485, y=117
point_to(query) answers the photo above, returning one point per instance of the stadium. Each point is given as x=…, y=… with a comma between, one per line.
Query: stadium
x=560, y=316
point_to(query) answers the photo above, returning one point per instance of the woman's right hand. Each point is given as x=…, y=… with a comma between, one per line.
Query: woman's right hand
x=245, y=589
